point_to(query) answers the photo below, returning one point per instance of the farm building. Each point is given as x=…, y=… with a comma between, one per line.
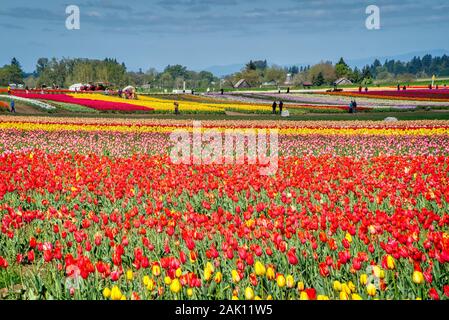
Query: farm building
x=342, y=82
x=307, y=84
x=242, y=83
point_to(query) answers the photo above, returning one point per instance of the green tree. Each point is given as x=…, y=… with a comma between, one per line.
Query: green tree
x=318, y=80
x=342, y=69
x=11, y=73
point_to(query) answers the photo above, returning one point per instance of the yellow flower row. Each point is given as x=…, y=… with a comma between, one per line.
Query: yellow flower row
x=167, y=105
x=30, y=126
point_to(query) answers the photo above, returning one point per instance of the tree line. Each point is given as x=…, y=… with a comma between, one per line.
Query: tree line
x=258, y=73
x=65, y=72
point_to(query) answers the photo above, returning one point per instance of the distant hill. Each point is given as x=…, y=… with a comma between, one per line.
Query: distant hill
x=224, y=70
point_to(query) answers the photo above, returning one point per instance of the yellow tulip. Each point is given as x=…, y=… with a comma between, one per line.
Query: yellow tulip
x=178, y=272
x=348, y=237
x=156, y=270
x=337, y=285
x=290, y=281
x=364, y=279
x=303, y=296
x=418, y=277
x=123, y=298
x=190, y=292
x=234, y=298
x=129, y=275
x=345, y=288
x=207, y=274
x=269, y=297
x=116, y=294
x=235, y=276
x=249, y=293
x=175, y=286
x=257, y=298
x=377, y=271
x=146, y=280
x=259, y=268
x=280, y=281
x=301, y=286
x=151, y=285
x=210, y=267
x=344, y=295
x=355, y=296
x=107, y=293
x=390, y=262
x=270, y=273
x=351, y=286
x=371, y=290
x=218, y=277
x=322, y=297
x=167, y=280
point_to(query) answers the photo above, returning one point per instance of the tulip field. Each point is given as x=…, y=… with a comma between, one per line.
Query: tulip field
x=94, y=208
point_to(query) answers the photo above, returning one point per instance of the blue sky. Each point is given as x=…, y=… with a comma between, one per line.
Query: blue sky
x=203, y=33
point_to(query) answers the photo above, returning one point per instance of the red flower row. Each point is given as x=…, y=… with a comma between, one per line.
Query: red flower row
x=94, y=104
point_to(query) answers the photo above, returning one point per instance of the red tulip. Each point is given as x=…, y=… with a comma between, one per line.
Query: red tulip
x=434, y=294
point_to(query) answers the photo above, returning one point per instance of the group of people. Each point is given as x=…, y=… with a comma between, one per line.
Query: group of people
x=275, y=105
x=129, y=94
x=361, y=89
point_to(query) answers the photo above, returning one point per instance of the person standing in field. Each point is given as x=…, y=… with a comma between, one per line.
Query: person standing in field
x=274, y=105
x=13, y=106
x=176, y=104
x=281, y=105
x=9, y=90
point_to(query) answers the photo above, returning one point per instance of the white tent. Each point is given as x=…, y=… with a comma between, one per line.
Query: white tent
x=129, y=88
x=76, y=87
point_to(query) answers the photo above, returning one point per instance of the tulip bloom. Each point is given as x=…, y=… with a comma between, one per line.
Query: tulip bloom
x=107, y=293
x=116, y=294
x=418, y=277
x=280, y=280
x=290, y=281
x=235, y=276
x=175, y=286
x=249, y=293
x=337, y=286
x=259, y=268
x=371, y=290
x=270, y=273
x=218, y=277
x=364, y=279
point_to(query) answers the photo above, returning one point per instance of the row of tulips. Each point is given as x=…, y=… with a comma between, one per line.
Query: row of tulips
x=419, y=95
x=123, y=144
x=94, y=104
x=282, y=130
